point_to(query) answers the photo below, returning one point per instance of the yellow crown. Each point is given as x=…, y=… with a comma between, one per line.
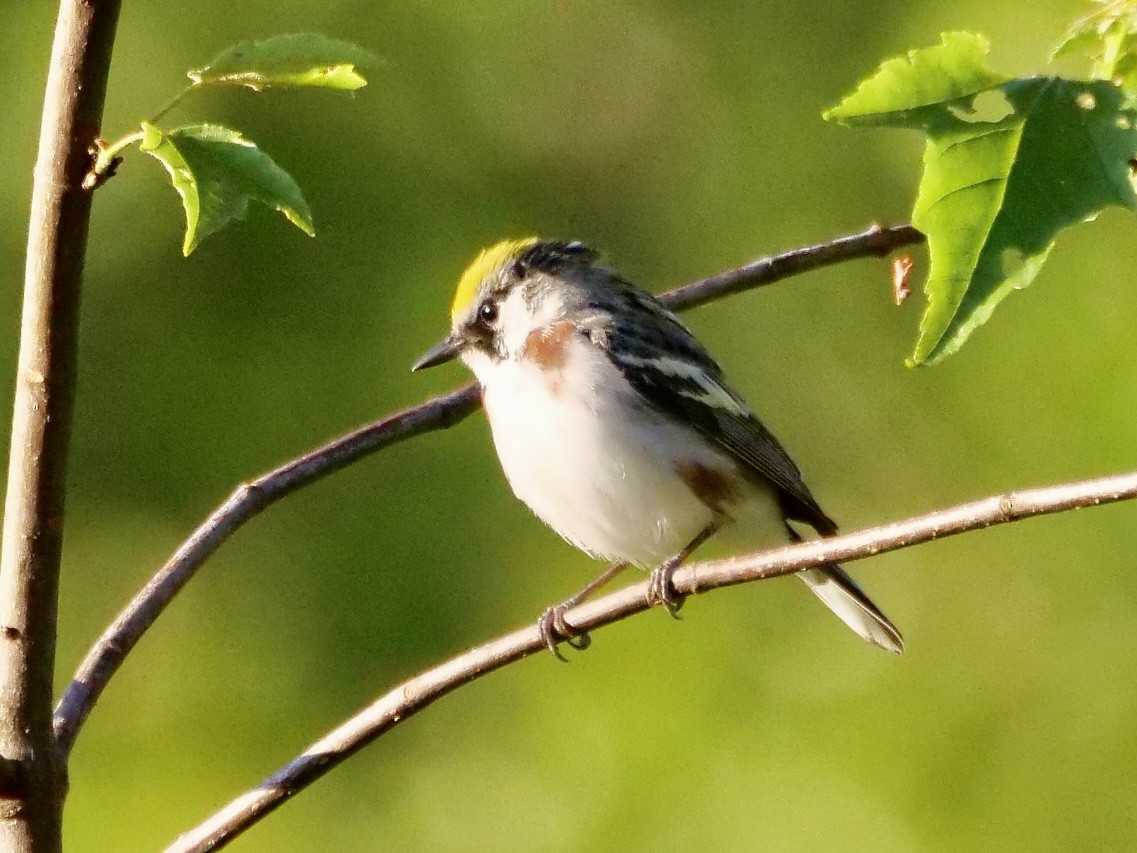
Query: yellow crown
x=485, y=264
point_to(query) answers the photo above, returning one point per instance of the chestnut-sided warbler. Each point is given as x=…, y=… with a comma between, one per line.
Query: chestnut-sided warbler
x=618, y=430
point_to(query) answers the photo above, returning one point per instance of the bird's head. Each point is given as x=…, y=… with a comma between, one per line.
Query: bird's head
x=510, y=291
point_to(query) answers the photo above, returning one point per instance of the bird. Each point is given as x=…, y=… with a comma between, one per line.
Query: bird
x=616, y=427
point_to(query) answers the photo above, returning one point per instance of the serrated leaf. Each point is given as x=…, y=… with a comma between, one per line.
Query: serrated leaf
x=994, y=198
x=902, y=88
x=1108, y=36
x=293, y=60
x=217, y=172
x=1078, y=39
x=1006, y=168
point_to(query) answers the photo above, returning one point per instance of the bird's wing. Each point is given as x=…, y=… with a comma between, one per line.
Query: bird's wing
x=672, y=372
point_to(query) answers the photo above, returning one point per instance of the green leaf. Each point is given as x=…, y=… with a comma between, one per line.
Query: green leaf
x=1007, y=166
x=297, y=59
x=217, y=172
x=903, y=88
x=994, y=199
x=1109, y=37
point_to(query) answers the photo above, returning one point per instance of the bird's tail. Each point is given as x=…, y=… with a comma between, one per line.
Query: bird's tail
x=842, y=595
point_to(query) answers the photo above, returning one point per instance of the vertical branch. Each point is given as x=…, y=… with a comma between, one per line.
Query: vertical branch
x=34, y=784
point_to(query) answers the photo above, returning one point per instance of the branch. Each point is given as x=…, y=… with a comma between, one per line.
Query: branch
x=110, y=650
x=872, y=242
x=31, y=804
x=417, y=693
x=247, y=500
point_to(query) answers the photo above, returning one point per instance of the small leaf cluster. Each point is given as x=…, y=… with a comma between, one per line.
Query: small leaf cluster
x=216, y=170
x=1009, y=163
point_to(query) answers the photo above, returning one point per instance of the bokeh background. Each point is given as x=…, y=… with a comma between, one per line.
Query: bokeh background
x=683, y=138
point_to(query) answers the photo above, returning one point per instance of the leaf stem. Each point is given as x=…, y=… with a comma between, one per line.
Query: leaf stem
x=106, y=153
x=107, y=159
x=173, y=102
x=109, y=150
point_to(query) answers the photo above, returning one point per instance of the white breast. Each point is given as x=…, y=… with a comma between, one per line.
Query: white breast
x=593, y=464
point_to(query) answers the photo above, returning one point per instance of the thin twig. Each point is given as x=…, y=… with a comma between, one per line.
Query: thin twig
x=31, y=803
x=417, y=693
x=246, y=501
x=875, y=241
x=109, y=651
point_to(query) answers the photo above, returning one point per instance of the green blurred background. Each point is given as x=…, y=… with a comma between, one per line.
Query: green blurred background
x=683, y=138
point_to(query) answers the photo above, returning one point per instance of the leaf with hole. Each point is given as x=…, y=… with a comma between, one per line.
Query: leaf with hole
x=902, y=87
x=1008, y=165
x=217, y=172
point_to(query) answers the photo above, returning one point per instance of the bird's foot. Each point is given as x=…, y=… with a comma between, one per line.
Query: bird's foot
x=661, y=586
x=554, y=629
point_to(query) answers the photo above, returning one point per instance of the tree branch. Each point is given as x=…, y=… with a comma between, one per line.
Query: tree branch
x=247, y=500
x=109, y=651
x=417, y=693
x=31, y=803
x=875, y=241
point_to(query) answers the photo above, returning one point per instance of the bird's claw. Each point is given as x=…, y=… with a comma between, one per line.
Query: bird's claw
x=661, y=589
x=554, y=628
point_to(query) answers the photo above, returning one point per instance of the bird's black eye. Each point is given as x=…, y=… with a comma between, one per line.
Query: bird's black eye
x=487, y=312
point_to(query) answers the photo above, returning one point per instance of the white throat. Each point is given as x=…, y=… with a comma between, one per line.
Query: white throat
x=517, y=320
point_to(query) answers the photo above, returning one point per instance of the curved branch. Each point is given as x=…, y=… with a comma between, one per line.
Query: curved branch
x=417, y=693
x=875, y=241
x=246, y=501
x=109, y=651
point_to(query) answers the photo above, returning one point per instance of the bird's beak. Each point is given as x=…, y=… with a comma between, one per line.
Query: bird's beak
x=440, y=353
